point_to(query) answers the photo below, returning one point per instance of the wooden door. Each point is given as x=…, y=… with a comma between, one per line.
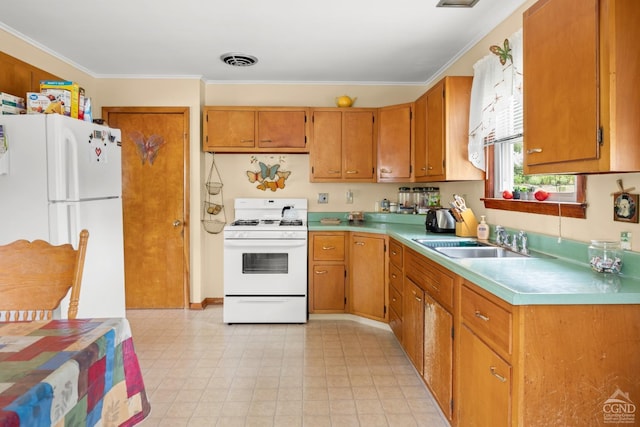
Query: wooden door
x=420, y=138
x=485, y=384
x=413, y=322
x=155, y=204
x=368, y=276
x=229, y=128
x=328, y=288
x=561, y=82
x=438, y=353
x=326, y=150
x=435, y=131
x=394, y=145
x=358, y=145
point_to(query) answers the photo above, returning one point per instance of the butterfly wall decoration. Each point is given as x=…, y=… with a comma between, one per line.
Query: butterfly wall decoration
x=504, y=53
x=269, y=176
x=147, y=147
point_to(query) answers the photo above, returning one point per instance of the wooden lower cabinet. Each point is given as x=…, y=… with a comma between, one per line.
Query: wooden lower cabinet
x=485, y=392
x=368, y=290
x=413, y=323
x=437, y=368
x=327, y=272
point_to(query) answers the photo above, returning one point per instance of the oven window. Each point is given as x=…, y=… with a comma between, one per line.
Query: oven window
x=268, y=263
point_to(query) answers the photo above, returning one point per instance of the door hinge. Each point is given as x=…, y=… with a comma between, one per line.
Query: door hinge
x=410, y=115
x=599, y=136
x=345, y=300
x=345, y=274
x=410, y=169
x=385, y=246
x=305, y=118
x=311, y=169
x=452, y=333
x=305, y=140
x=443, y=164
x=452, y=406
x=385, y=310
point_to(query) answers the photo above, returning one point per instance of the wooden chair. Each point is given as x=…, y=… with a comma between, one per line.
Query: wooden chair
x=36, y=276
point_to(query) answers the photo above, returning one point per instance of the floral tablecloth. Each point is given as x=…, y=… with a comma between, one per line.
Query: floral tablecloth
x=81, y=372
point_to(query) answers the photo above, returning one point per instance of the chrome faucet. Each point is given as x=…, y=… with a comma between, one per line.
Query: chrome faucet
x=524, y=249
x=501, y=235
x=514, y=242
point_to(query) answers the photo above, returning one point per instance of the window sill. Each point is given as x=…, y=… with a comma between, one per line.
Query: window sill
x=565, y=209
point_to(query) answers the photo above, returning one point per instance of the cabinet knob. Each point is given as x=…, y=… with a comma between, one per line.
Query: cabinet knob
x=328, y=248
x=430, y=168
x=359, y=243
x=393, y=276
x=352, y=171
x=385, y=170
x=534, y=150
x=423, y=169
x=333, y=171
x=321, y=271
x=176, y=223
x=266, y=140
x=246, y=140
x=418, y=299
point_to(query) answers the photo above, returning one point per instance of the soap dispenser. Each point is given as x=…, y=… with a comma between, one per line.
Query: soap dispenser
x=483, y=229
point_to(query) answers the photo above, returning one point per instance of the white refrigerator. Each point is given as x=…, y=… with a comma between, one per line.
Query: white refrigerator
x=60, y=175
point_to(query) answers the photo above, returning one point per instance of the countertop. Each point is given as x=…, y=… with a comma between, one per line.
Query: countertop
x=555, y=278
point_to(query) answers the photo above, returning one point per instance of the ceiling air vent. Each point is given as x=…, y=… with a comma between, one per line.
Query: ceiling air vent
x=238, y=59
x=457, y=3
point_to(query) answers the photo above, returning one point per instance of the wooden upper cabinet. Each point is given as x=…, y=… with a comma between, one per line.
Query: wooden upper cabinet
x=255, y=129
x=581, y=109
x=343, y=145
x=18, y=77
x=394, y=143
x=419, y=153
x=447, y=131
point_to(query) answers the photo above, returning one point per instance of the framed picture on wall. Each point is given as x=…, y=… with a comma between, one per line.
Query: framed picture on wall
x=625, y=207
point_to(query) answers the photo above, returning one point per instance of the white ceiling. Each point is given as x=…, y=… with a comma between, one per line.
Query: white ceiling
x=333, y=41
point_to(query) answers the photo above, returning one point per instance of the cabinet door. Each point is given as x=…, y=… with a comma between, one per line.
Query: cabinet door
x=358, y=145
x=328, y=288
x=282, y=129
x=435, y=132
x=368, y=296
x=229, y=128
x=413, y=322
x=420, y=138
x=482, y=373
x=394, y=143
x=438, y=353
x=326, y=151
x=560, y=89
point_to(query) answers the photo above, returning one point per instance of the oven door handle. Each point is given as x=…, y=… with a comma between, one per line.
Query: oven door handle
x=253, y=243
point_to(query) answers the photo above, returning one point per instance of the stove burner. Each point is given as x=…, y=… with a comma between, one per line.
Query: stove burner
x=269, y=221
x=245, y=222
x=291, y=222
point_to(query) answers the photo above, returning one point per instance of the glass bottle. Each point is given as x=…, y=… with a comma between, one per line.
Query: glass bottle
x=605, y=256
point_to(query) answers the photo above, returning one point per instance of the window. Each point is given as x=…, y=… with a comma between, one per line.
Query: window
x=496, y=135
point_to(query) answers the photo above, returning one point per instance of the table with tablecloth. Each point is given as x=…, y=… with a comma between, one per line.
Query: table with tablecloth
x=70, y=372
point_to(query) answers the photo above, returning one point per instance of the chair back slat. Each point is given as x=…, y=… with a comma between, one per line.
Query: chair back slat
x=36, y=276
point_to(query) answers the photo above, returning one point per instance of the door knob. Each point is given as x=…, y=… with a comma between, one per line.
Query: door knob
x=177, y=223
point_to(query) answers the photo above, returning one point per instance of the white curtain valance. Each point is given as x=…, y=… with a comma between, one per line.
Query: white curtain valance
x=496, y=100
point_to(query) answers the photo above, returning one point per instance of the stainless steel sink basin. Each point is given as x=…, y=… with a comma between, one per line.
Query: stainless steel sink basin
x=478, y=252
x=433, y=244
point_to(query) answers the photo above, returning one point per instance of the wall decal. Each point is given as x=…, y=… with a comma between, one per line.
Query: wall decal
x=268, y=173
x=147, y=147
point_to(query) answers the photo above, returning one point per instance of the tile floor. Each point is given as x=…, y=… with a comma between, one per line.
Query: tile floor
x=199, y=371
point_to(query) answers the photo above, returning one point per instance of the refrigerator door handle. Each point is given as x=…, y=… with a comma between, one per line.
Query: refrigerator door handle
x=63, y=167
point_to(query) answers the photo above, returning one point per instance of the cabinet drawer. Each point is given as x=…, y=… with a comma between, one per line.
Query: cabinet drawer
x=430, y=278
x=328, y=248
x=487, y=319
x=395, y=254
x=395, y=277
x=396, y=300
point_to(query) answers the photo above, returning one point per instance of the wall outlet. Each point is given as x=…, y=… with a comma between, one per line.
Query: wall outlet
x=323, y=197
x=625, y=240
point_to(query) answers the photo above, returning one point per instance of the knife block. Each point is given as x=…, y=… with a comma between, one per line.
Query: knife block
x=469, y=225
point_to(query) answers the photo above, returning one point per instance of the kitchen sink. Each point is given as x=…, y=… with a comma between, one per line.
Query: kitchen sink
x=434, y=244
x=478, y=252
